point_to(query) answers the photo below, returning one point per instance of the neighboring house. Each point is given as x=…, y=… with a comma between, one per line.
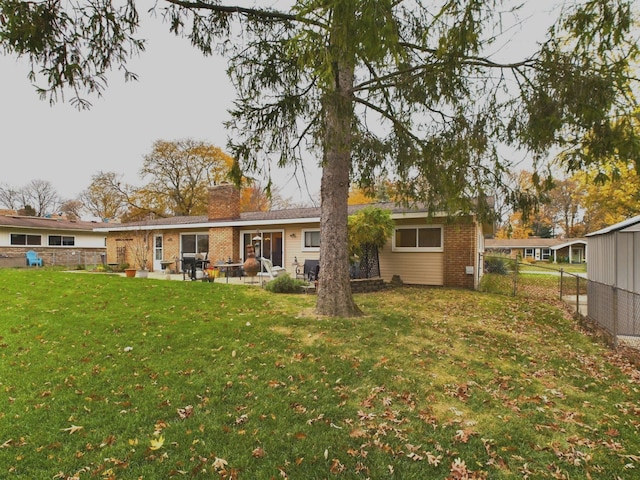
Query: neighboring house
x=423, y=251
x=57, y=241
x=613, y=269
x=570, y=250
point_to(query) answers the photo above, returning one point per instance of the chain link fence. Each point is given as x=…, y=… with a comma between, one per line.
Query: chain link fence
x=615, y=311
x=511, y=276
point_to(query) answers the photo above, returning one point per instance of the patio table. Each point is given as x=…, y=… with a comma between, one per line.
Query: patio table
x=227, y=268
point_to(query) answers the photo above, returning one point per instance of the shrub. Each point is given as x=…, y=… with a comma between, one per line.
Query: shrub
x=497, y=265
x=285, y=284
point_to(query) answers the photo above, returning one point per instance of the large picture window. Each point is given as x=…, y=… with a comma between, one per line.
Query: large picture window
x=195, y=243
x=61, y=241
x=24, y=239
x=417, y=239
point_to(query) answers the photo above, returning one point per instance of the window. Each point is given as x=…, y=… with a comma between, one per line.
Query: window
x=420, y=239
x=529, y=253
x=546, y=253
x=61, y=241
x=23, y=239
x=311, y=239
x=197, y=243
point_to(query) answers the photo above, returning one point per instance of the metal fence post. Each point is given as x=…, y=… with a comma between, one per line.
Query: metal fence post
x=578, y=295
x=561, y=281
x=515, y=278
x=615, y=316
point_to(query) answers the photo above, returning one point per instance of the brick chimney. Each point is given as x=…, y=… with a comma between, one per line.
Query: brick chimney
x=224, y=202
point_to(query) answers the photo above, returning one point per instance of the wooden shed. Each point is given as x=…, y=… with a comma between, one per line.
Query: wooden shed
x=613, y=269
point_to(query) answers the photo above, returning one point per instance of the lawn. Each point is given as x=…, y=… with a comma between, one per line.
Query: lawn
x=114, y=378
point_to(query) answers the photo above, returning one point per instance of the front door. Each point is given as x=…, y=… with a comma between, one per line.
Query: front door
x=157, y=253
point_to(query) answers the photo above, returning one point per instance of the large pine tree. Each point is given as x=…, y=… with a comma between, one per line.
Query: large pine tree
x=408, y=88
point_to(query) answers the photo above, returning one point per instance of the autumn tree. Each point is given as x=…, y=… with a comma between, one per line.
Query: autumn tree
x=179, y=173
x=105, y=197
x=566, y=200
x=72, y=209
x=608, y=202
x=536, y=220
x=431, y=76
x=382, y=190
x=253, y=198
x=514, y=227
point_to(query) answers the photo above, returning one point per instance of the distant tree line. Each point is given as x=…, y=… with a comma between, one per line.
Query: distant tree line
x=175, y=175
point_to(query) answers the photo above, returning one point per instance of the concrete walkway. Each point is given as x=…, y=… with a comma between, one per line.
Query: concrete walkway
x=571, y=300
x=159, y=275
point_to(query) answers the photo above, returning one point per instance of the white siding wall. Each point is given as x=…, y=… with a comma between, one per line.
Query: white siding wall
x=624, y=260
x=82, y=239
x=636, y=263
x=612, y=260
x=601, y=258
x=419, y=268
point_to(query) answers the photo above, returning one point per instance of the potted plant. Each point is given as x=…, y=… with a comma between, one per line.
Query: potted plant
x=128, y=270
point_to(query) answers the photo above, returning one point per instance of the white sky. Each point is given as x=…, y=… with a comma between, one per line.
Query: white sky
x=180, y=94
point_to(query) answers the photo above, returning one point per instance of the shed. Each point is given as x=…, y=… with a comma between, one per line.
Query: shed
x=613, y=269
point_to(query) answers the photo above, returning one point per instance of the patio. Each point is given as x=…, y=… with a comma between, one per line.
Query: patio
x=160, y=275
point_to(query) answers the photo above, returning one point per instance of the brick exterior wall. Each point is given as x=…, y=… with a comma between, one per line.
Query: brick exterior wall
x=224, y=202
x=224, y=243
x=460, y=251
x=119, y=248
x=171, y=249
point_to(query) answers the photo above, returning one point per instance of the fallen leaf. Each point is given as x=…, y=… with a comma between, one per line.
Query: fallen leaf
x=72, y=429
x=185, y=412
x=157, y=443
x=258, y=452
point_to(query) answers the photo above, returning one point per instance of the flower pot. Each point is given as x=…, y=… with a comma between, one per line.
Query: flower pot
x=142, y=273
x=130, y=272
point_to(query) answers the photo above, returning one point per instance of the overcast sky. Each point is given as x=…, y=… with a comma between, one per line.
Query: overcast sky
x=180, y=94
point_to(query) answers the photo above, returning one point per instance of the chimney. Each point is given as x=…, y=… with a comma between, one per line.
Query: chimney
x=224, y=202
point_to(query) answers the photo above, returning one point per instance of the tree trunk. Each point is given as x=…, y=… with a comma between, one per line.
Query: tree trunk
x=334, y=289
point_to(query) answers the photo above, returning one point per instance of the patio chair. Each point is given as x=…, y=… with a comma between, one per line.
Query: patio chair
x=311, y=270
x=33, y=259
x=272, y=271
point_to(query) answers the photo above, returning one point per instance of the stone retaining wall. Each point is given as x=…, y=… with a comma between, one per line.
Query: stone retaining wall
x=365, y=285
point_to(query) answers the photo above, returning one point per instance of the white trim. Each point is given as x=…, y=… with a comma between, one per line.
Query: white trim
x=248, y=223
x=238, y=223
x=417, y=249
x=252, y=233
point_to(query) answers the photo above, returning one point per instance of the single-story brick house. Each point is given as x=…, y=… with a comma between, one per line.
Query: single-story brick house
x=57, y=240
x=424, y=250
x=570, y=250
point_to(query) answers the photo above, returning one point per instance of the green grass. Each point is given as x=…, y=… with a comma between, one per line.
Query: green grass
x=553, y=267
x=108, y=377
